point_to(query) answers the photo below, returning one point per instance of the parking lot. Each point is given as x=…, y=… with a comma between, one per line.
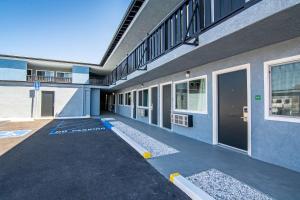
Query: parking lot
x=79, y=159
x=8, y=143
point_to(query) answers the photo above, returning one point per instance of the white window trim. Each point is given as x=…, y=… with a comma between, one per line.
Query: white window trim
x=150, y=100
x=121, y=104
x=63, y=73
x=45, y=71
x=161, y=104
x=138, y=98
x=205, y=112
x=267, y=89
x=129, y=105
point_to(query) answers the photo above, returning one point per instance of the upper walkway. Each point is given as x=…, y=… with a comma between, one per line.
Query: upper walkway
x=195, y=157
x=195, y=34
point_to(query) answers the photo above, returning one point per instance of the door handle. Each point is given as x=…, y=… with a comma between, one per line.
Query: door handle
x=245, y=114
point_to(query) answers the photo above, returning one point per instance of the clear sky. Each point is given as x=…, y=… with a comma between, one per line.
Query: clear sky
x=73, y=30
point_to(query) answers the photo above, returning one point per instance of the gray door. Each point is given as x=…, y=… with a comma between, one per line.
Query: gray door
x=95, y=102
x=232, y=107
x=134, y=104
x=47, y=109
x=166, y=106
x=154, y=105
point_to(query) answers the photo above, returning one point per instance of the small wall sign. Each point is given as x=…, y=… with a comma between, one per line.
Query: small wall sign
x=257, y=97
x=37, y=85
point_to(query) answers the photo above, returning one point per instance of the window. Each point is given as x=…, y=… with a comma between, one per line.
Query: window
x=45, y=73
x=285, y=90
x=29, y=72
x=128, y=99
x=120, y=99
x=181, y=96
x=63, y=75
x=143, y=98
x=190, y=95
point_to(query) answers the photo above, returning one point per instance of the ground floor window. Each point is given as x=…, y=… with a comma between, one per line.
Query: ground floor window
x=190, y=95
x=120, y=98
x=128, y=98
x=143, y=98
x=285, y=89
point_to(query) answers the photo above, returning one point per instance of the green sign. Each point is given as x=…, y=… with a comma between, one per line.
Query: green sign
x=257, y=97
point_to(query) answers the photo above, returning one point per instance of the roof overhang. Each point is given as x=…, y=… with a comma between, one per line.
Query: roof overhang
x=131, y=12
x=41, y=62
x=148, y=17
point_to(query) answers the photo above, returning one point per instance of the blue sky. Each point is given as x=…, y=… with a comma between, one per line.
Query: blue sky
x=73, y=30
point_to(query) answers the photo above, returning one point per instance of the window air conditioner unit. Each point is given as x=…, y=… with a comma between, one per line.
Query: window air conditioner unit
x=182, y=120
x=143, y=112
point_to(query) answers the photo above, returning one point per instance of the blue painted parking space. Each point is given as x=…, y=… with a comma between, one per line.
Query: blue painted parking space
x=69, y=127
x=16, y=133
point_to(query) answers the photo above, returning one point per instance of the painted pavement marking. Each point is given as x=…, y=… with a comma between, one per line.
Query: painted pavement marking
x=66, y=128
x=16, y=133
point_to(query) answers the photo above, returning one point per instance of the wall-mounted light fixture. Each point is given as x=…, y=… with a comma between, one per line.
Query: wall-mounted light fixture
x=187, y=74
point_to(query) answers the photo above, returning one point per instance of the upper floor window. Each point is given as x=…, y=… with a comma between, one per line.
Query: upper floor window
x=128, y=98
x=191, y=95
x=120, y=98
x=45, y=73
x=29, y=72
x=285, y=89
x=63, y=74
x=143, y=98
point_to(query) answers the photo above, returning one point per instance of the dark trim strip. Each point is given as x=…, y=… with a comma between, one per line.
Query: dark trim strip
x=48, y=60
x=131, y=12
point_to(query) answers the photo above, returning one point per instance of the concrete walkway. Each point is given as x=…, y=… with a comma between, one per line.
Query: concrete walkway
x=195, y=157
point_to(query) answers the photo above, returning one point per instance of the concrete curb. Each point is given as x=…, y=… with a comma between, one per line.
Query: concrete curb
x=146, y=154
x=189, y=188
x=141, y=150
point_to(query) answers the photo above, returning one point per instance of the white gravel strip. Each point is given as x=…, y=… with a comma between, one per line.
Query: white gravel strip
x=155, y=147
x=224, y=187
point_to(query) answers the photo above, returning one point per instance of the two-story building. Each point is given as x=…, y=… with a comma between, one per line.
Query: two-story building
x=223, y=72
x=33, y=88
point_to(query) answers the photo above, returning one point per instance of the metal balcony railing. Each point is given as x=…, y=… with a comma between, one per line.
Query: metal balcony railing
x=182, y=26
x=98, y=82
x=49, y=79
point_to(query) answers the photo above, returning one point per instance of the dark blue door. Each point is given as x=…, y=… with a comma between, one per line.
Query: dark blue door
x=232, y=107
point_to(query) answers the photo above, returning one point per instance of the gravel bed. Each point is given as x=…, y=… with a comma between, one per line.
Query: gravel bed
x=224, y=187
x=155, y=147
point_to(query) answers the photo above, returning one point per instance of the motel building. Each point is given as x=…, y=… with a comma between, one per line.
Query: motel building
x=226, y=73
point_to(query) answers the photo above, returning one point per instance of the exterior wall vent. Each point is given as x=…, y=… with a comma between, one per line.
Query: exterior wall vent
x=182, y=120
x=143, y=112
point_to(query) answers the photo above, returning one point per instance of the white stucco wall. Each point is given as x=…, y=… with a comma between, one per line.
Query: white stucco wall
x=17, y=103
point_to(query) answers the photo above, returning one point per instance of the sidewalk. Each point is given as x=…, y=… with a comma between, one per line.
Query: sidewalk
x=195, y=157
